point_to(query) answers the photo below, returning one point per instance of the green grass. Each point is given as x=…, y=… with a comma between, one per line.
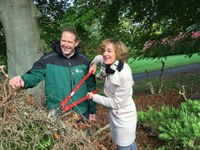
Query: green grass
x=139, y=66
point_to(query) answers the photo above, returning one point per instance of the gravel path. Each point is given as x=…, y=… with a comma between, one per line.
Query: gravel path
x=188, y=68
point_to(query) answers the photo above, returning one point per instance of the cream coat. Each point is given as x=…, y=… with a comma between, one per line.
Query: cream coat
x=122, y=110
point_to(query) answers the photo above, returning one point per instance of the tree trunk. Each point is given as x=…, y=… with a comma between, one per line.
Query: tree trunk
x=20, y=22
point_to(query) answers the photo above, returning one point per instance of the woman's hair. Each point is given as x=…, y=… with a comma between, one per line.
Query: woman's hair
x=119, y=47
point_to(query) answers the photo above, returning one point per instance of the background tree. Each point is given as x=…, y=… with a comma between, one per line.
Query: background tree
x=49, y=24
x=137, y=23
x=20, y=23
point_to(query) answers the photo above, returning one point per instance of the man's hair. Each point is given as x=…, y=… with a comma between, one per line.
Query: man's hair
x=120, y=48
x=71, y=30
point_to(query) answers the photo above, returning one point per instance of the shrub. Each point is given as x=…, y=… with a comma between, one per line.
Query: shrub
x=179, y=128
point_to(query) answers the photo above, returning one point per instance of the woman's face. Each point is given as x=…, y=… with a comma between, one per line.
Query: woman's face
x=109, y=55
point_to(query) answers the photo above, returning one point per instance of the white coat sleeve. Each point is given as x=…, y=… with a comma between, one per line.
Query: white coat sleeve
x=122, y=93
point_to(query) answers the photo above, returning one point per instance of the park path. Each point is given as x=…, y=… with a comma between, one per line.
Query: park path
x=170, y=71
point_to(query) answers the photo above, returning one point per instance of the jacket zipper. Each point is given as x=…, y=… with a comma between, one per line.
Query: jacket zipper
x=72, y=77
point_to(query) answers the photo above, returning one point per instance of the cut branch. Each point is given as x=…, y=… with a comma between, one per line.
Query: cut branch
x=161, y=77
x=150, y=83
x=101, y=129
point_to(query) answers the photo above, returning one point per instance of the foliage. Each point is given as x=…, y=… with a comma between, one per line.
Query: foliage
x=179, y=128
x=2, y=47
x=3, y=60
x=135, y=23
x=49, y=24
x=186, y=45
x=87, y=25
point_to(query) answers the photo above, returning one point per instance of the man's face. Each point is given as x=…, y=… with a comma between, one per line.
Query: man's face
x=68, y=43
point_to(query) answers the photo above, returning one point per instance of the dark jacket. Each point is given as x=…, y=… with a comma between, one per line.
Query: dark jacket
x=61, y=75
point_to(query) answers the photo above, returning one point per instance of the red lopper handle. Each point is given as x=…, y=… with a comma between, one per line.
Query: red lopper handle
x=77, y=102
x=75, y=89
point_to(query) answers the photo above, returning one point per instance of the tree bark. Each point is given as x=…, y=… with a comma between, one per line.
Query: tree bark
x=20, y=23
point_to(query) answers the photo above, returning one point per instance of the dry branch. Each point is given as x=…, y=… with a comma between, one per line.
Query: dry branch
x=101, y=129
x=24, y=124
x=149, y=82
x=183, y=93
x=6, y=89
x=161, y=77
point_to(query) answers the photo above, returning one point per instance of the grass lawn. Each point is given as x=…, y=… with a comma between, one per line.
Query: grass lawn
x=139, y=66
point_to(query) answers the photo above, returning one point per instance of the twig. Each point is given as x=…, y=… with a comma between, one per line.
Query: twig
x=183, y=93
x=4, y=118
x=103, y=137
x=2, y=70
x=6, y=94
x=150, y=83
x=101, y=129
x=161, y=77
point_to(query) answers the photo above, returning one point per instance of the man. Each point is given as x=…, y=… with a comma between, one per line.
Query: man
x=63, y=68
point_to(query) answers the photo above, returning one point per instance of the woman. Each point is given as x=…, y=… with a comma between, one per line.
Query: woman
x=118, y=90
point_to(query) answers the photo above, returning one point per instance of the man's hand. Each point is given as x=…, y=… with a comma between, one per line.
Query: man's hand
x=16, y=82
x=92, y=117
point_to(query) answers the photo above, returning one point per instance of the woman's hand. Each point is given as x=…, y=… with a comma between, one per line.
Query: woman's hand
x=90, y=94
x=93, y=66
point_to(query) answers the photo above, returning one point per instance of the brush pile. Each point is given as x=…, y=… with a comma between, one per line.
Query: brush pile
x=24, y=124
